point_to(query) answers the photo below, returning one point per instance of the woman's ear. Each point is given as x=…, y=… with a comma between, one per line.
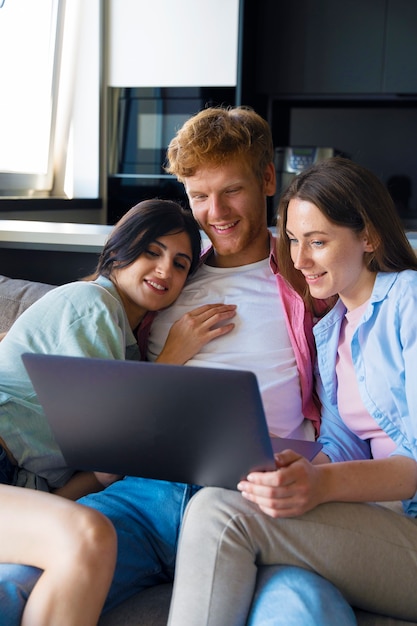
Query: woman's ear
x=370, y=244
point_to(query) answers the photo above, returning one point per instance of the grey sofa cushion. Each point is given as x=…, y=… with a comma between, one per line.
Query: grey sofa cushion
x=147, y=608
x=15, y=296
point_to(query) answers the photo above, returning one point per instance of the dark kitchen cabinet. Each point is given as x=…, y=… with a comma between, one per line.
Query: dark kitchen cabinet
x=400, y=70
x=318, y=47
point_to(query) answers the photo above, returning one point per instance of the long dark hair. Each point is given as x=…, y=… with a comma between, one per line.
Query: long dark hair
x=140, y=226
x=352, y=196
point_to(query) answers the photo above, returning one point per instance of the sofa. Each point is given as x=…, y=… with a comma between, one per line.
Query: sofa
x=149, y=607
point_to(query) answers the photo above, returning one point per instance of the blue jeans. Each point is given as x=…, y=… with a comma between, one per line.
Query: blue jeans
x=16, y=583
x=290, y=596
x=147, y=515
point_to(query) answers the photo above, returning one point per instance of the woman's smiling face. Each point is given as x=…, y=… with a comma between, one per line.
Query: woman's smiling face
x=155, y=279
x=331, y=257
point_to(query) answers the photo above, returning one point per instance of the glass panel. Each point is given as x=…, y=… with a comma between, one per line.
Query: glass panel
x=27, y=53
x=148, y=118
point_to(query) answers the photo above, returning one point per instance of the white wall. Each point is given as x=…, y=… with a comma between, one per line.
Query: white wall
x=172, y=43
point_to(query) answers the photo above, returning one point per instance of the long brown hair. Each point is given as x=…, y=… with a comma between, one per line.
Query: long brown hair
x=352, y=196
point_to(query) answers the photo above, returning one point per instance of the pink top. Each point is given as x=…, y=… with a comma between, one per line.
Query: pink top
x=351, y=407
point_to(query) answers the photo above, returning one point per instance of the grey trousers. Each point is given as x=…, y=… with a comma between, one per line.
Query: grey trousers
x=368, y=551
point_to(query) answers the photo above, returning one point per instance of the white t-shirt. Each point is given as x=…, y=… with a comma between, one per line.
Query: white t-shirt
x=259, y=342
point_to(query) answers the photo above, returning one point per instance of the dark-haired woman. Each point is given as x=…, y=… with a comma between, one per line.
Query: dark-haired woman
x=351, y=515
x=143, y=267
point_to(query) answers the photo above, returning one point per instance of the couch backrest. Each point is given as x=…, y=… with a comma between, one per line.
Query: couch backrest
x=15, y=296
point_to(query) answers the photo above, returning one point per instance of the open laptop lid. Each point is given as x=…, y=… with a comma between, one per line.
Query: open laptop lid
x=203, y=426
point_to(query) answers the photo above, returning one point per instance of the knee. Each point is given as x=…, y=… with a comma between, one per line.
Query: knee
x=205, y=497
x=211, y=510
x=92, y=538
x=216, y=498
x=224, y=501
x=207, y=502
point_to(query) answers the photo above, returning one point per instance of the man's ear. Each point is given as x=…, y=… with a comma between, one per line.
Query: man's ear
x=270, y=181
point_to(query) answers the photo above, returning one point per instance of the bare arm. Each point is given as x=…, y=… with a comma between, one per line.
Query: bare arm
x=299, y=486
x=193, y=330
x=82, y=483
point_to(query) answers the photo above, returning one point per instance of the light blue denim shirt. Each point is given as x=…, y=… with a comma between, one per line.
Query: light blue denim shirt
x=384, y=354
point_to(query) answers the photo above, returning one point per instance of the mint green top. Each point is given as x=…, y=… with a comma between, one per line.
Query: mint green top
x=77, y=319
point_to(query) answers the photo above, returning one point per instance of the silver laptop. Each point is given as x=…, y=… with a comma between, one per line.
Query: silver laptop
x=195, y=425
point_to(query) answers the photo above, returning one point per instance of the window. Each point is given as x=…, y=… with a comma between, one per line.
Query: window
x=50, y=77
x=28, y=46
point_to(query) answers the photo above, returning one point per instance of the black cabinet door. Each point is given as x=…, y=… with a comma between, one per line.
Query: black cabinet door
x=400, y=71
x=321, y=46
